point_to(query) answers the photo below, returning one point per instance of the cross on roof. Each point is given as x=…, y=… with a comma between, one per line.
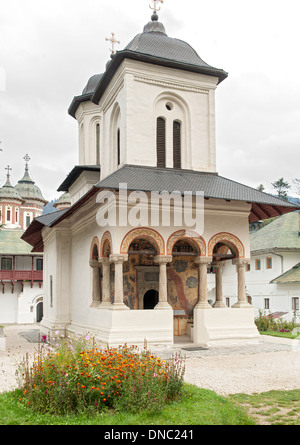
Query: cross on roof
x=156, y=6
x=26, y=159
x=8, y=170
x=113, y=41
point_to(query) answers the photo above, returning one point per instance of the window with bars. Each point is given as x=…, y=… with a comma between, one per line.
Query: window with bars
x=161, y=142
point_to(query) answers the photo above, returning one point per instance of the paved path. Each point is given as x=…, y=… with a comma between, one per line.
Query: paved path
x=273, y=363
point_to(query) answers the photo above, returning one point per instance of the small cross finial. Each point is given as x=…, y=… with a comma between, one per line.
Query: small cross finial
x=113, y=42
x=26, y=159
x=8, y=170
x=156, y=6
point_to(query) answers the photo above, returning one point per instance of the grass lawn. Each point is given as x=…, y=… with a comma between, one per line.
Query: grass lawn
x=279, y=334
x=196, y=407
x=273, y=407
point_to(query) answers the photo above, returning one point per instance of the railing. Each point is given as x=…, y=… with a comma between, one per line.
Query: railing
x=21, y=275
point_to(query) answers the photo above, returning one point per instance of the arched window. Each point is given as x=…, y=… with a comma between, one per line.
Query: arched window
x=98, y=144
x=8, y=214
x=161, y=142
x=176, y=144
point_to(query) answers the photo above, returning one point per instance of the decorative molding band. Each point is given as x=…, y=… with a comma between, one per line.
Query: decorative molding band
x=170, y=85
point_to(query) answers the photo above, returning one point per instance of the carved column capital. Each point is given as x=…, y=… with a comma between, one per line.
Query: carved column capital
x=203, y=260
x=104, y=260
x=242, y=262
x=94, y=263
x=218, y=264
x=163, y=259
x=118, y=258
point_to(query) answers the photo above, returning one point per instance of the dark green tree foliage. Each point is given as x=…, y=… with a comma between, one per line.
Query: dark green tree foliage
x=281, y=186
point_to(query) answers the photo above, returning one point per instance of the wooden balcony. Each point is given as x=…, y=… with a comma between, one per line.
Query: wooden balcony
x=14, y=276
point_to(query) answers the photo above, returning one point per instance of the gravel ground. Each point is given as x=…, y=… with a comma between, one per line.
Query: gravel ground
x=274, y=363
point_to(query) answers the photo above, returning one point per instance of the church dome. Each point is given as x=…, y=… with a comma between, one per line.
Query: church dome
x=92, y=84
x=9, y=192
x=154, y=41
x=28, y=190
x=154, y=46
x=63, y=202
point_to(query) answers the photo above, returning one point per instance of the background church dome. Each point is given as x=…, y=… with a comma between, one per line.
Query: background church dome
x=9, y=192
x=28, y=190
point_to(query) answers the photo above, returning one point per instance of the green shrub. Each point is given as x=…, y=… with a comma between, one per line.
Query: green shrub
x=266, y=323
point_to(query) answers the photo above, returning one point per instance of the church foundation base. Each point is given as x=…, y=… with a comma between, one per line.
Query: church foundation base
x=134, y=327
x=224, y=327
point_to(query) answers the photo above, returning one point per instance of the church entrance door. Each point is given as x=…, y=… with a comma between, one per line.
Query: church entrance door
x=39, y=312
x=150, y=299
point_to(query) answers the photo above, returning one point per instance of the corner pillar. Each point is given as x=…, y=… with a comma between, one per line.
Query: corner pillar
x=96, y=291
x=242, y=299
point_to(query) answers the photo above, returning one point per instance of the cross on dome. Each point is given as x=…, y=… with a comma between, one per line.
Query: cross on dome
x=26, y=159
x=8, y=170
x=113, y=42
x=156, y=6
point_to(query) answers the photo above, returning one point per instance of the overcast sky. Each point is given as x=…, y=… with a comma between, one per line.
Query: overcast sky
x=49, y=50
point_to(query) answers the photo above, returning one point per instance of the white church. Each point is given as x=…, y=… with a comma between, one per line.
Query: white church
x=150, y=215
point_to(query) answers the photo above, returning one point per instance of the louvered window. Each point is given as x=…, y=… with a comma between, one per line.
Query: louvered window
x=119, y=147
x=161, y=142
x=176, y=144
x=98, y=144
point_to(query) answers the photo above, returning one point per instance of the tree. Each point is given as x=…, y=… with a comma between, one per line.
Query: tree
x=281, y=186
x=260, y=188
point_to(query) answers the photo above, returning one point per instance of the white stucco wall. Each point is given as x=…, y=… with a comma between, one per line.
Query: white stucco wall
x=20, y=306
x=136, y=96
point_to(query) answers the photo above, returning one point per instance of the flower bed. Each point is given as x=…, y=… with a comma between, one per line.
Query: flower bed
x=75, y=375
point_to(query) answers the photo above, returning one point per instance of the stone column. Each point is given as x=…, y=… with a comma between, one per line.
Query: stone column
x=106, y=303
x=96, y=291
x=202, y=282
x=118, y=260
x=242, y=300
x=162, y=261
x=219, y=284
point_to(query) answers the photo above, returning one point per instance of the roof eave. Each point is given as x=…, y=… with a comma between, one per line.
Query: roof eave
x=74, y=174
x=33, y=233
x=148, y=58
x=77, y=100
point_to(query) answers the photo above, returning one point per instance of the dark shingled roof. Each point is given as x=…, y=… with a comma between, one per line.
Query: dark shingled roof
x=33, y=233
x=163, y=179
x=153, y=46
x=214, y=186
